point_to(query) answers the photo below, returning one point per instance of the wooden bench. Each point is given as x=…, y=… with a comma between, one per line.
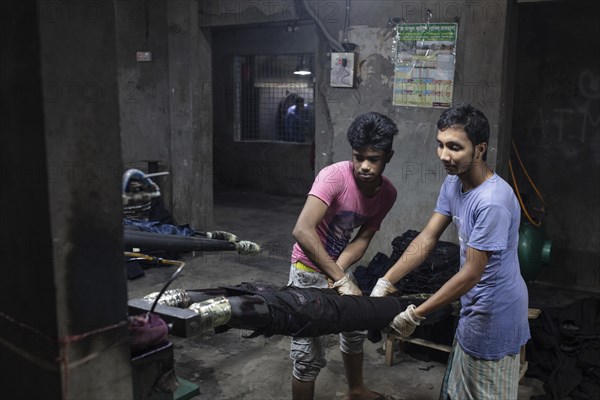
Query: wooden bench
x=392, y=337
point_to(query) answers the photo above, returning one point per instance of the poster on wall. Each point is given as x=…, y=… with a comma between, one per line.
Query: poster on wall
x=424, y=64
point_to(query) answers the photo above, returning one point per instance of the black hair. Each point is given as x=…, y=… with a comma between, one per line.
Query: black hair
x=468, y=118
x=373, y=130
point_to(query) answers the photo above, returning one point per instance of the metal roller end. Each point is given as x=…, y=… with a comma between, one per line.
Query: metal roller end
x=213, y=312
x=174, y=298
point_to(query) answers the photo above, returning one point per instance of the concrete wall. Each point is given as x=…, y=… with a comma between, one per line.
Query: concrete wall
x=144, y=107
x=191, y=115
x=143, y=89
x=415, y=169
x=219, y=13
x=485, y=76
x=166, y=105
x=557, y=132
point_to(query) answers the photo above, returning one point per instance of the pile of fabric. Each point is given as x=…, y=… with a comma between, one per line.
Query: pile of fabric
x=441, y=264
x=564, y=351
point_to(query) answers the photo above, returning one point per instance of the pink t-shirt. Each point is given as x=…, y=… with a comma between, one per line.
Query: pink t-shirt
x=348, y=209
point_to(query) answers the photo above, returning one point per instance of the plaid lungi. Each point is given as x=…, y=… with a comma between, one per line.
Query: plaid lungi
x=471, y=378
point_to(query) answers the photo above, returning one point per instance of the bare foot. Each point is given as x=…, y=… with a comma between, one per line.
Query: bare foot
x=365, y=394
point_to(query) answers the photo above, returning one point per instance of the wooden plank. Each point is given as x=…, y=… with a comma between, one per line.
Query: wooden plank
x=533, y=313
x=420, y=342
x=389, y=350
x=427, y=343
x=522, y=364
x=522, y=371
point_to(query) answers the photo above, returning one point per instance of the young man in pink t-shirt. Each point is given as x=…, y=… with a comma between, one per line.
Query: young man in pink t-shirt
x=344, y=196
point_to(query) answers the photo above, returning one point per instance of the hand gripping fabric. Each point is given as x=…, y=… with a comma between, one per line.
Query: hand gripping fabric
x=406, y=322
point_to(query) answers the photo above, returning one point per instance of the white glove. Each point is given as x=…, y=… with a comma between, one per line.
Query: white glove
x=406, y=322
x=347, y=286
x=222, y=235
x=382, y=288
x=247, y=248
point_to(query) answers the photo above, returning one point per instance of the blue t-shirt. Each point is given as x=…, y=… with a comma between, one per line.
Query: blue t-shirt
x=493, y=318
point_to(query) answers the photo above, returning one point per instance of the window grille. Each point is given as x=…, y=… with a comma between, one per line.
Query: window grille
x=271, y=102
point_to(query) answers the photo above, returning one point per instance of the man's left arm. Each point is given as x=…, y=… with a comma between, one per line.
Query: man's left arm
x=356, y=248
x=463, y=281
x=490, y=234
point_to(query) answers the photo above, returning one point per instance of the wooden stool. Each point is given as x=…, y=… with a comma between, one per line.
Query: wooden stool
x=392, y=337
x=532, y=313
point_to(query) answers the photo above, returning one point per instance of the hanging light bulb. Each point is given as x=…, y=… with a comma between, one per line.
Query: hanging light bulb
x=302, y=68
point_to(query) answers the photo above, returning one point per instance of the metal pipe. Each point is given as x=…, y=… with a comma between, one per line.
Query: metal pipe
x=148, y=240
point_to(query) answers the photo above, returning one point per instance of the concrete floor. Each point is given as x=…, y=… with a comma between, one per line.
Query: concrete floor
x=229, y=366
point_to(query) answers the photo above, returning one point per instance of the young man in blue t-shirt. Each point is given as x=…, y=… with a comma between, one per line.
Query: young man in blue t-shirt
x=493, y=324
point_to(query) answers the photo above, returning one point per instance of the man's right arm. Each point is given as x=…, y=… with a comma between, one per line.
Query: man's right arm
x=419, y=248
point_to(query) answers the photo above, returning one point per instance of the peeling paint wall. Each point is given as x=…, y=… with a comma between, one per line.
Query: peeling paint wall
x=143, y=89
x=165, y=105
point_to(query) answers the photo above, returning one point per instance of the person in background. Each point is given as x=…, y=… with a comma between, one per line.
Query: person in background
x=297, y=122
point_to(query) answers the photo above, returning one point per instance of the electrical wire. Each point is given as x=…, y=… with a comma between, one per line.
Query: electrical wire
x=146, y=23
x=534, y=223
x=346, y=22
x=158, y=260
x=63, y=360
x=527, y=175
x=162, y=291
x=146, y=257
x=518, y=193
x=324, y=30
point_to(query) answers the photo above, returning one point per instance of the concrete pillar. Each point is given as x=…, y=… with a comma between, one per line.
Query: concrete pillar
x=63, y=327
x=485, y=38
x=191, y=116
